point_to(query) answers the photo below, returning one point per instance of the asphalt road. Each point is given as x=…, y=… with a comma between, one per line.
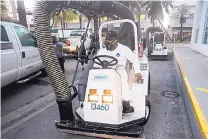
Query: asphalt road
x=168, y=119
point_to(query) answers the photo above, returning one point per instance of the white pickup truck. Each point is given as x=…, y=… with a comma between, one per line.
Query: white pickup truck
x=20, y=58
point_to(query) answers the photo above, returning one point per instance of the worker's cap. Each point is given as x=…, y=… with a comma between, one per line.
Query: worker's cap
x=111, y=35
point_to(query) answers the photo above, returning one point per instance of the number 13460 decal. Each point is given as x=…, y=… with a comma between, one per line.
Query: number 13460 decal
x=102, y=107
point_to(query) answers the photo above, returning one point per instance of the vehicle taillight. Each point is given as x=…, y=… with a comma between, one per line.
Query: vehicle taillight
x=140, y=49
x=68, y=42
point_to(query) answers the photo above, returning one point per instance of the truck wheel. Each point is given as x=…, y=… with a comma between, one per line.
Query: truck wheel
x=147, y=112
x=43, y=73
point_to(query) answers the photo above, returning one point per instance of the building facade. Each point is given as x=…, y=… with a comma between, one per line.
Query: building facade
x=199, y=40
x=174, y=22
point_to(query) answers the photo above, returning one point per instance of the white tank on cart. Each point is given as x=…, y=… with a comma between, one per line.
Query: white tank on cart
x=104, y=104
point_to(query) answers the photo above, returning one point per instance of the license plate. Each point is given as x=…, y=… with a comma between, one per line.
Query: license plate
x=101, y=107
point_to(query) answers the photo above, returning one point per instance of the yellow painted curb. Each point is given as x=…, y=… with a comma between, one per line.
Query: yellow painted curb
x=201, y=121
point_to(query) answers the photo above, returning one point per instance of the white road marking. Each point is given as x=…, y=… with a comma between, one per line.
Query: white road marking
x=23, y=111
x=9, y=128
x=27, y=108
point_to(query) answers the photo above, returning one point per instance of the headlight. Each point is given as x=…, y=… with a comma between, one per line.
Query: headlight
x=92, y=98
x=107, y=99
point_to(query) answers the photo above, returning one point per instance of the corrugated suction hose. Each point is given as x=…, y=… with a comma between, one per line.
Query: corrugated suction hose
x=50, y=61
x=47, y=51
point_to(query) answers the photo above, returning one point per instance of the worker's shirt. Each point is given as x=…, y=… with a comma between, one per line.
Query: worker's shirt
x=122, y=53
x=59, y=49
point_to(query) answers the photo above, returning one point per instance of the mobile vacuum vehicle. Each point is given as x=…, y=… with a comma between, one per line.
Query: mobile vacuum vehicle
x=155, y=43
x=158, y=44
x=99, y=90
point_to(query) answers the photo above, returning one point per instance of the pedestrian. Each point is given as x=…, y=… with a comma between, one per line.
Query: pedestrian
x=59, y=47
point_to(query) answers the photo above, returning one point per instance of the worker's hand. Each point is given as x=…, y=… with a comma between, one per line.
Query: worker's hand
x=138, y=77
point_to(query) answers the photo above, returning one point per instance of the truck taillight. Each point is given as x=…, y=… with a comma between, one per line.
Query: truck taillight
x=140, y=49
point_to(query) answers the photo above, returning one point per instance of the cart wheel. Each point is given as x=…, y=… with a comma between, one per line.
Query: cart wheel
x=147, y=112
x=170, y=56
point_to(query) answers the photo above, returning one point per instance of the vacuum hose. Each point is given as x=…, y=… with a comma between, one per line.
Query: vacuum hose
x=50, y=61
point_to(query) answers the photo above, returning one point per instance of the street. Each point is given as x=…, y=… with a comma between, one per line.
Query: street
x=35, y=104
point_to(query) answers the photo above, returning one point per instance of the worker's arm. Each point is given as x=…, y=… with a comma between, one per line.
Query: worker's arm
x=132, y=57
x=67, y=49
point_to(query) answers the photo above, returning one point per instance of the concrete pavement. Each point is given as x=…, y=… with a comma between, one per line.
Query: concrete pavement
x=193, y=68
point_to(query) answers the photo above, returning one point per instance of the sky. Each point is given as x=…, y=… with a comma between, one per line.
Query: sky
x=30, y=4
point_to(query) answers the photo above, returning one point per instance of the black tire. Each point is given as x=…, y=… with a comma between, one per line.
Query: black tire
x=170, y=56
x=43, y=73
x=146, y=117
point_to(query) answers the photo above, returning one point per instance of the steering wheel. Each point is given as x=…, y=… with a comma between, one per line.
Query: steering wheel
x=105, y=63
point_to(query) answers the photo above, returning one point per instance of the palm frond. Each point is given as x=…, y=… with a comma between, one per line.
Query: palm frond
x=183, y=11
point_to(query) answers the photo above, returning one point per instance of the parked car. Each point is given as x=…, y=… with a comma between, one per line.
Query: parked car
x=54, y=32
x=20, y=58
x=72, y=37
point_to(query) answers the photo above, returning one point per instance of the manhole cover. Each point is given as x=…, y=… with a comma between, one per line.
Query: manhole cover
x=170, y=94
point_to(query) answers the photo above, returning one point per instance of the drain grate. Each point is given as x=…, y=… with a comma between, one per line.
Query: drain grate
x=170, y=94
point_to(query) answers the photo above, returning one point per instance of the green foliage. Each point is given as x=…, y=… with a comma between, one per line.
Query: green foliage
x=67, y=15
x=155, y=9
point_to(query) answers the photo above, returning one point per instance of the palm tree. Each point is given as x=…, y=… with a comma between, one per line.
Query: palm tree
x=155, y=11
x=65, y=16
x=137, y=7
x=182, y=13
x=21, y=13
x=3, y=10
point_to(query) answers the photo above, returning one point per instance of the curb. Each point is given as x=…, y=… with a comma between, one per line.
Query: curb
x=198, y=114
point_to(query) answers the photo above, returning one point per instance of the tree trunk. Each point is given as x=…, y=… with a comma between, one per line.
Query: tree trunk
x=80, y=21
x=22, y=13
x=181, y=33
x=138, y=25
x=62, y=27
x=153, y=22
x=164, y=29
x=95, y=24
x=99, y=22
x=63, y=20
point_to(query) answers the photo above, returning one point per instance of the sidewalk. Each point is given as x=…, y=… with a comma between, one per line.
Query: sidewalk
x=193, y=71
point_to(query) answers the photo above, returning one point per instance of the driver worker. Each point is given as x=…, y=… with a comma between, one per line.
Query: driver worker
x=122, y=53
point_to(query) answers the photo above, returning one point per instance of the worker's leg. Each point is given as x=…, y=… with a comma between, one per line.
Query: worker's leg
x=125, y=94
x=61, y=62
